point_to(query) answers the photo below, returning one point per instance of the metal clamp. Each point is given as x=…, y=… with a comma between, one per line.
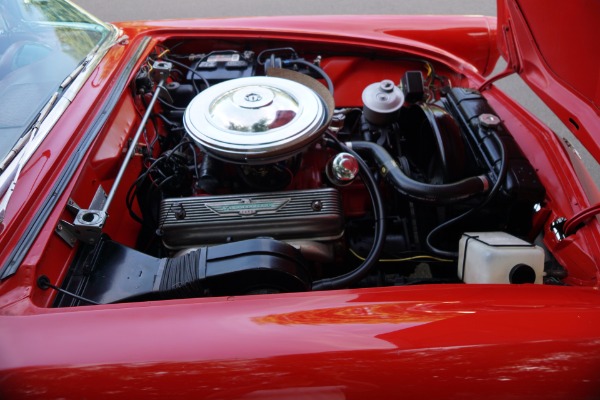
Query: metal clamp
x=558, y=228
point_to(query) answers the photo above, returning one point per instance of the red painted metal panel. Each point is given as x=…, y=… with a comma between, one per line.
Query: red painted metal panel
x=449, y=341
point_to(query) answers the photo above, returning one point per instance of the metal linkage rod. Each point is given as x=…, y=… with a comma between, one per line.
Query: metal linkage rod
x=88, y=224
x=132, y=147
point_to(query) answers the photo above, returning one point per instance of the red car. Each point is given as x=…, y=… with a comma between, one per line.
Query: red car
x=297, y=207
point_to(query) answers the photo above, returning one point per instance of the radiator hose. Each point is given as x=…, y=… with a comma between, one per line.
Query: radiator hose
x=446, y=193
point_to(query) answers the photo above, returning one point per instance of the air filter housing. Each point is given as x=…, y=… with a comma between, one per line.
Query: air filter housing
x=255, y=120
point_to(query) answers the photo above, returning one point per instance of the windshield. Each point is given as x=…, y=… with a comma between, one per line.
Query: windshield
x=41, y=43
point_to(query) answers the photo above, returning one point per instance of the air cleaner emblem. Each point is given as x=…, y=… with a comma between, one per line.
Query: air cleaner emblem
x=247, y=207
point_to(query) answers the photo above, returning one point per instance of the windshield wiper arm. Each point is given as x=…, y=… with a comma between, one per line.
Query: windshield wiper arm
x=19, y=148
x=71, y=77
x=26, y=138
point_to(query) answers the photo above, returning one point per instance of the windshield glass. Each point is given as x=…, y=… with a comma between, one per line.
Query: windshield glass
x=41, y=43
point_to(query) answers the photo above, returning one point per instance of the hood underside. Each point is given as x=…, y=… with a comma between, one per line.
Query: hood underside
x=555, y=51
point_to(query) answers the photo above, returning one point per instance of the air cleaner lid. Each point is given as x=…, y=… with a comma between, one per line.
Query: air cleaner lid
x=255, y=120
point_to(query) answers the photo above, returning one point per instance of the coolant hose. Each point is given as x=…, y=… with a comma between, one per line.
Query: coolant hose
x=362, y=270
x=419, y=191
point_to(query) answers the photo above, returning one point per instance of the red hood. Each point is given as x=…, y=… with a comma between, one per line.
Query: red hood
x=555, y=50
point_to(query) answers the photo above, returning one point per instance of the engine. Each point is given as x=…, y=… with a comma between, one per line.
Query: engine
x=254, y=180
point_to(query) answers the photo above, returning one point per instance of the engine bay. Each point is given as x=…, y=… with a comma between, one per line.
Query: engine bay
x=277, y=167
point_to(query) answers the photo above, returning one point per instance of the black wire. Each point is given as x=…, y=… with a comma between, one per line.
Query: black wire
x=275, y=50
x=183, y=142
x=378, y=240
x=150, y=145
x=156, y=135
x=132, y=191
x=179, y=72
x=171, y=106
x=167, y=121
x=166, y=180
x=193, y=71
x=315, y=68
x=489, y=197
x=44, y=283
x=129, y=199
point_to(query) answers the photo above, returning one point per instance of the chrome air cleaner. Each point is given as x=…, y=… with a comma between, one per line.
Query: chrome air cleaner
x=256, y=120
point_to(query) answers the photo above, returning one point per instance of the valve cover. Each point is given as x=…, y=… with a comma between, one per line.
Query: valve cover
x=195, y=221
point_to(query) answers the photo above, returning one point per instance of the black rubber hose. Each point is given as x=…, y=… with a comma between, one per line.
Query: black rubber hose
x=183, y=276
x=419, y=191
x=363, y=269
x=315, y=68
x=492, y=193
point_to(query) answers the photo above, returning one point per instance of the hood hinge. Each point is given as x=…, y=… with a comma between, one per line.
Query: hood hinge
x=513, y=63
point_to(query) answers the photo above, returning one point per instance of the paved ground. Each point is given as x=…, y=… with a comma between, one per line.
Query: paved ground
x=121, y=10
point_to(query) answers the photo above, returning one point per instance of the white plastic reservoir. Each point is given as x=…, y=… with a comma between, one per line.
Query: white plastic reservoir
x=498, y=257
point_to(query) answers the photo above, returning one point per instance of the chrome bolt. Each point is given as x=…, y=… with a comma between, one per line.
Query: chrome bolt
x=317, y=205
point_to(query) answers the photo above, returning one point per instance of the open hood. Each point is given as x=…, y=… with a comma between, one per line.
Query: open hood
x=562, y=65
